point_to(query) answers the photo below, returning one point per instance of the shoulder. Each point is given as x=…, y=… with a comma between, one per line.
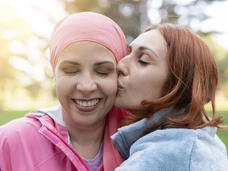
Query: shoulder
x=172, y=139
x=168, y=149
x=17, y=136
x=17, y=125
x=21, y=129
x=175, y=136
x=209, y=152
x=172, y=149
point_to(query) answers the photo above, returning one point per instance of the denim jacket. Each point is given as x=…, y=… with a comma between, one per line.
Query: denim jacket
x=170, y=149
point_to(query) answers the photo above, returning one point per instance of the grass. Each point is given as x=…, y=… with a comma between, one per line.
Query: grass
x=223, y=134
x=6, y=116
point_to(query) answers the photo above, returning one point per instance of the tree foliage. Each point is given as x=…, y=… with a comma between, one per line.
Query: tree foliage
x=133, y=16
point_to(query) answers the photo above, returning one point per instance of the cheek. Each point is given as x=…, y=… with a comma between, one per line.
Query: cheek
x=155, y=85
x=161, y=78
x=144, y=85
x=61, y=87
x=109, y=86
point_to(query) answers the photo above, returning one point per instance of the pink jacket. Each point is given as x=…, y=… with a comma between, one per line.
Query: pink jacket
x=38, y=143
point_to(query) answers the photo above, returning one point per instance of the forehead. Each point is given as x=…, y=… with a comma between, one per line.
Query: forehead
x=149, y=38
x=87, y=49
x=153, y=40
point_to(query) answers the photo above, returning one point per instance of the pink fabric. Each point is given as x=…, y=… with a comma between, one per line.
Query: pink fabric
x=87, y=26
x=38, y=143
x=111, y=156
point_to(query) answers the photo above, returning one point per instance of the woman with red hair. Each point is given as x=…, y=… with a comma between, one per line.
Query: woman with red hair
x=166, y=79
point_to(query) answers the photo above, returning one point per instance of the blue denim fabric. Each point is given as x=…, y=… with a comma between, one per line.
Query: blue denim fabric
x=171, y=149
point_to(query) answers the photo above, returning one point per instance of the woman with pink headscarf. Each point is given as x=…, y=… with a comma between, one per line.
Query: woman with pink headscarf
x=85, y=48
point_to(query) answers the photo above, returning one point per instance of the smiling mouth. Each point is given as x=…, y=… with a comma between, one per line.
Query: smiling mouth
x=87, y=103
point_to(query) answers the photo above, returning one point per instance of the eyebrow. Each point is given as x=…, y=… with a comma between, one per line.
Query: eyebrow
x=143, y=48
x=69, y=62
x=97, y=64
x=104, y=62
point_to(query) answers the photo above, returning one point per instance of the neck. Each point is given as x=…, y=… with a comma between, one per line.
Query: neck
x=86, y=141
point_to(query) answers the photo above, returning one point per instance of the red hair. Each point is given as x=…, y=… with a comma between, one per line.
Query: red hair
x=191, y=84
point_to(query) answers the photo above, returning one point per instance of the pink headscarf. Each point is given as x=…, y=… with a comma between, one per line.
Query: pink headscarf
x=87, y=26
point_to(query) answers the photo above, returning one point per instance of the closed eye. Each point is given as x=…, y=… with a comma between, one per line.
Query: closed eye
x=143, y=59
x=142, y=62
x=105, y=69
x=70, y=72
x=103, y=73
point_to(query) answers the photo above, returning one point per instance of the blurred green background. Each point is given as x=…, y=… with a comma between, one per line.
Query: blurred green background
x=26, y=81
x=7, y=115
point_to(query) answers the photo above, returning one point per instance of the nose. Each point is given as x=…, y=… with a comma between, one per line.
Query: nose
x=86, y=84
x=122, y=68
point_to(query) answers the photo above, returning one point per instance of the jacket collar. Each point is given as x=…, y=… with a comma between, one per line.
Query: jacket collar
x=127, y=135
x=54, y=112
x=52, y=119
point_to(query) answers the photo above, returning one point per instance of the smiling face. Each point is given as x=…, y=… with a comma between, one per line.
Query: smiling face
x=143, y=72
x=86, y=83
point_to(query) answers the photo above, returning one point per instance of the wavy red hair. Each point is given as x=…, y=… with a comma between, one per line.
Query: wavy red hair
x=191, y=84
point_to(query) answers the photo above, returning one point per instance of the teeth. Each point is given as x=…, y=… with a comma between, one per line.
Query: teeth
x=87, y=103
